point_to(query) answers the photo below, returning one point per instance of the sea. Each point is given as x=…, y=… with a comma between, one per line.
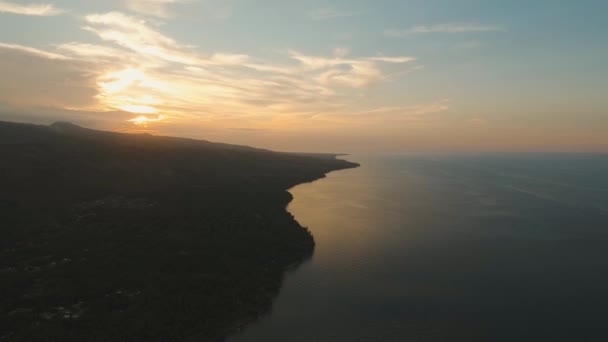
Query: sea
x=449, y=247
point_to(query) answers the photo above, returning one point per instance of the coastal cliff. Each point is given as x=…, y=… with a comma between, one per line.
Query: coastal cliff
x=133, y=237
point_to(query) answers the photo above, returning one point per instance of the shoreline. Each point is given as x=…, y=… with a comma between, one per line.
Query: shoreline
x=296, y=264
x=137, y=237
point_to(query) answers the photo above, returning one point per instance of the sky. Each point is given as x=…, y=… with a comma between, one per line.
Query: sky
x=316, y=76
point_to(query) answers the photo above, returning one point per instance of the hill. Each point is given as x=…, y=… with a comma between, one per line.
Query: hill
x=134, y=237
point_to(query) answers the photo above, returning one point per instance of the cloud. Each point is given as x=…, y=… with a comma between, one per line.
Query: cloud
x=32, y=51
x=32, y=9
x=443, y=28
x=36, y=78
x=397, y=60
x=330, y=13
x=155, y=8
x=135, y=35
x=352, y=72
x=416, y=112
x=136, y=68
x=229, y=59
x=94, y=52
x=411, y=113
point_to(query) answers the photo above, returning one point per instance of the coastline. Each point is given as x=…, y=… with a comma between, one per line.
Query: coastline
x=296, y=263
x=137, y=237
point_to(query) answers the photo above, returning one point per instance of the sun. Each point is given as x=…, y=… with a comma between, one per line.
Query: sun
x=120, y=80
x=131, y=90
x=144, y=120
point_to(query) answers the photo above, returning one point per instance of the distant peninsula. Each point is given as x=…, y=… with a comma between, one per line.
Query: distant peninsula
x=133, y=237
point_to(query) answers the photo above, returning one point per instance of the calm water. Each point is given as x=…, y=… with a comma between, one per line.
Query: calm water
x=450, y=248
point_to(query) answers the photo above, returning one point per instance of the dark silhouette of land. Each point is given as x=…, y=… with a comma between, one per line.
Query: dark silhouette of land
x=123, y=237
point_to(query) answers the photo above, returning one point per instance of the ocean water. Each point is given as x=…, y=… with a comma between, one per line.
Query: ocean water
x=450, y=248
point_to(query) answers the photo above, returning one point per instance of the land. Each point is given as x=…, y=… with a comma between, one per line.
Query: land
x=133, y=237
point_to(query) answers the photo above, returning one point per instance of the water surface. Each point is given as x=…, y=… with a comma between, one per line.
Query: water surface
x=450, y=248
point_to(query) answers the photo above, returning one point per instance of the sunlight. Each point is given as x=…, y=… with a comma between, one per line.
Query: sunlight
x=143, y=120
x=121, y=80
x=138, y=109
x=127, y=90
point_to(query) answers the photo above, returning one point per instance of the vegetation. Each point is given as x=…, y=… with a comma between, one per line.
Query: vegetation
x=119, y=237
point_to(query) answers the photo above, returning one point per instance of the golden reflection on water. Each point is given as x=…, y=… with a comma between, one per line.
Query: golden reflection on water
x=447, y=249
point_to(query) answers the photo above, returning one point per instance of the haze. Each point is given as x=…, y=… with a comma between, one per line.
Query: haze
x=330, y=75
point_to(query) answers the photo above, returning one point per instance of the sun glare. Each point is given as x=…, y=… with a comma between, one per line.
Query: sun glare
x=143, y=120
x=120, y=80
x=137, y=109
x=128, y=89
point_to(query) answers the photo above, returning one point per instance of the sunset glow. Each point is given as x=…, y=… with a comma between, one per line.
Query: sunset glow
x=145, y=120
x=373, y=78
x=320, y=170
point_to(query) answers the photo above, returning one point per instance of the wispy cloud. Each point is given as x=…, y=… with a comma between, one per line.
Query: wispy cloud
x=32, y=51
x=330, y=13
x=397, y=60
x=341, y=70
x=38, y=78
x=135, y=35
x=237, y=83
x=31, y=9
x=415, y=112
x=155, y=8
x=138, y=69
x=443, y=28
